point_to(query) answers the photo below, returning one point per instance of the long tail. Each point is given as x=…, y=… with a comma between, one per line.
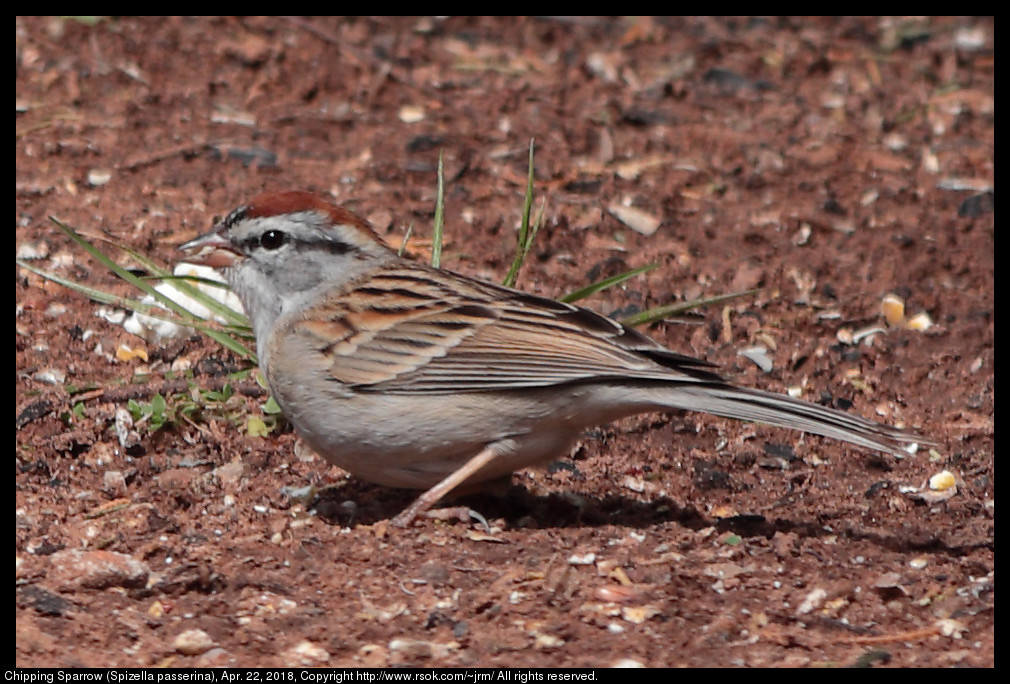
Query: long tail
x=784, y=411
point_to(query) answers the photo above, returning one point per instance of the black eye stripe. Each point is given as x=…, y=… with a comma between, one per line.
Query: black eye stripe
x=272, y=240
x=336, y=247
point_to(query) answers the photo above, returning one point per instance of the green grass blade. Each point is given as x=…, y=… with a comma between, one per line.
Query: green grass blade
x=439, y=222
x=660, y=312
x=181, y=283
x=123, y=273
x=93, y=293
x=161, y=273
x=592, y=289
x=227, y=342
x=527, y=231
x=152, y=310
x=186, y=316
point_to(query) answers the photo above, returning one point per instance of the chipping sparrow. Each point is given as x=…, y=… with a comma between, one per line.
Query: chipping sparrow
x=416, y=377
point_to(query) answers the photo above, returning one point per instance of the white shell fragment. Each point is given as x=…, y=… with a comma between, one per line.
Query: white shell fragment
x=759, y=355
x=111, y=315
x=583, y=559
x=156, y=330
x=51, y=376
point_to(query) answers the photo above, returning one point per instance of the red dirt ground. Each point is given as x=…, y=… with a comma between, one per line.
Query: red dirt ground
x=827, y=162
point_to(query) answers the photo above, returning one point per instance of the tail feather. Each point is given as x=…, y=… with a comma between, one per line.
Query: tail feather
x=784, y=411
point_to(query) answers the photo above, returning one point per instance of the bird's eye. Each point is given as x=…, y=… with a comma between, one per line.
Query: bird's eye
x=273, y=239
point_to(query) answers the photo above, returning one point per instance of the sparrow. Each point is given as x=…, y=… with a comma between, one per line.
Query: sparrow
x=417, y=377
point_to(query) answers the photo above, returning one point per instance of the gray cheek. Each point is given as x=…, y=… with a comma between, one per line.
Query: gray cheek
x=299, y=274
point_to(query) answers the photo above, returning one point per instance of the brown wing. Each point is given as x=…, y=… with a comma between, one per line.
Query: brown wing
x=412, y=331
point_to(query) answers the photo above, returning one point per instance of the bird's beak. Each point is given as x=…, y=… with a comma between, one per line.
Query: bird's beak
x=211, y=249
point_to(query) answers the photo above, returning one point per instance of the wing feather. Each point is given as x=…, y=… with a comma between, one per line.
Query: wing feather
x=412, y=331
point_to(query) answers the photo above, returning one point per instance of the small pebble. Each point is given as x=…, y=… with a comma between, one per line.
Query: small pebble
x=411, y=647
x=812, y=600
x=547, y=642
x=113, y=481
x=73, y=569
x=98, y=177
x=193, y=642
x=306, y=654
x=627, y=663
x=411, y=114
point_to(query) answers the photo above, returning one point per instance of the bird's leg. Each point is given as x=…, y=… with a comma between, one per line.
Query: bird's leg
x=456, y=478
